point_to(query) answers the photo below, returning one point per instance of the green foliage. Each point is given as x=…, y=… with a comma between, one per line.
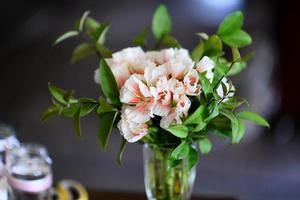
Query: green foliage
x=198, y=52
x=105, y=106
x=121, y=151
x=108, y=83
x=253, y=117
x=82, y=51
x=170, y=41
x=161, y=22
x=141, y=39
x=105, y=126
x=231, y=23
x=181, y=151
x=193, y=157
x=76, y=122
x=205, y=145
x=65, y=36
x=82, y=20
x=230, y=30
x=196, y=117
x=234, y=125
x=50, y=112
x=205, y=84
x=179, y=130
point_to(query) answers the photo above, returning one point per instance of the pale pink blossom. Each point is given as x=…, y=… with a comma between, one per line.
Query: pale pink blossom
x=171, y=119
x=183, y=106
x=162, y=97
x=191, y=83
x=130, y=130
x=153, y=73
x=206, y=65
x=137, y=94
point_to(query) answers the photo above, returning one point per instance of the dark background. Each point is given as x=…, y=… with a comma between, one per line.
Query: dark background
x=265, y=165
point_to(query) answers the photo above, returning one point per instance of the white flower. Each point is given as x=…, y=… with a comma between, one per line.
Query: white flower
x=132, y=131
x=153, y=73
x=162, y=97
x=183, y=106
x=230, y=91
x=172, y=118
x=126, y=62
x=206, y=65
x=191, y=83
x=137, y=94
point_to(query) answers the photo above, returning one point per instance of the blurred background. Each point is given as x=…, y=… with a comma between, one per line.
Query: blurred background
x=266, y=165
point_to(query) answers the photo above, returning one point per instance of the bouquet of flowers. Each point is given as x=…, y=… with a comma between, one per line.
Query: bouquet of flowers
x=162, y=94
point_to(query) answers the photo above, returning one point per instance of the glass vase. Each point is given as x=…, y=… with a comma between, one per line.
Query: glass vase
x=163, y=182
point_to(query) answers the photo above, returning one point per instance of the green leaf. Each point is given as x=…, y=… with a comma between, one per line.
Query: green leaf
x=205, y=84
x=108, y=83
x=236, y=68
x=57, y=93
x=87, y=108
x=50, y=112
x=213, y=112
x=253, y=117
x=205, y=145
x=220, y=71
x=241, y=131
x=105, y=127
x=92, y=26
x=161, y=22
x=203, y=35
x=70, y=110
x=141, y=39
x=199, y=127
x=233, y=22
x=121, y=151
x=65, y=36
x=238, y=38
x=105, y=106
x=179, y=130
x=213, y=43
x=76, y=122
x=198, y=52
x=234, y=125
x=192, y=158
x=82, y=51
x=173, y=162
x=181, y=151
x=82, y=20
x=104, y=52
x=100, y=34
x=235, y=53
x=196, y=117
x=170, y=41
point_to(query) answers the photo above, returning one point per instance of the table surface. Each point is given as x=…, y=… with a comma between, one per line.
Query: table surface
x=110, y=195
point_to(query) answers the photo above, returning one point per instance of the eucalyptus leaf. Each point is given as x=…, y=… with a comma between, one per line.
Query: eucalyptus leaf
x=108, y=83
x=181, y=151
x=233, y=22
x=205, y=145
x=253, y=117
x=65, y=36
x=82, y=51
x=179, y=130
x=105, y=127
x=161, y=22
